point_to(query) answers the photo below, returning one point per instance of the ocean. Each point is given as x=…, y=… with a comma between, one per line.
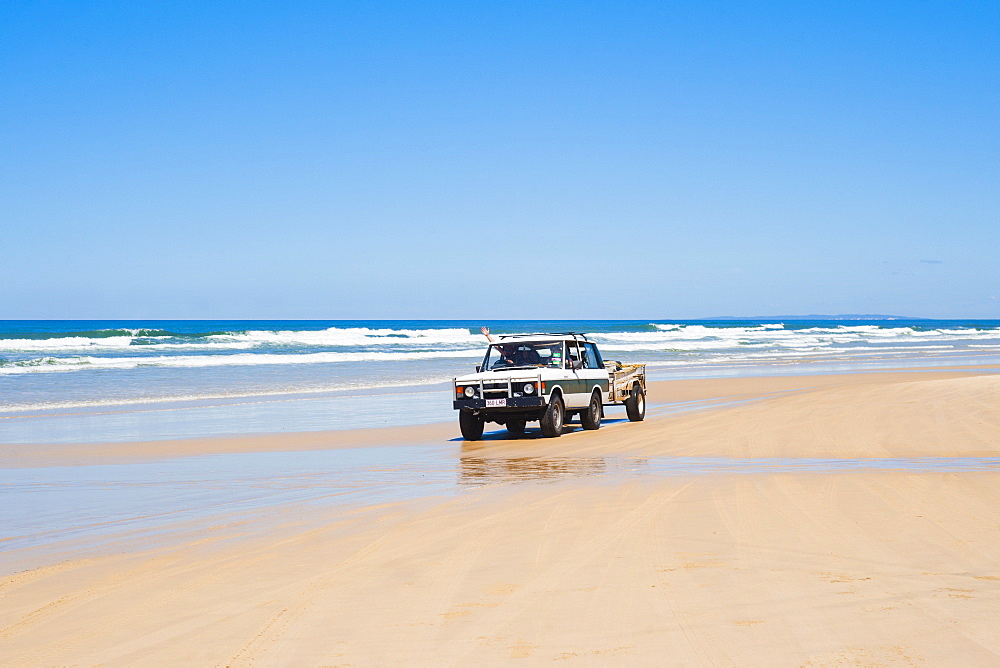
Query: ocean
x=86, y=381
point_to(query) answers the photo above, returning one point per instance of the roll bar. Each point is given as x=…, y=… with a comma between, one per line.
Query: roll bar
x=575, y=335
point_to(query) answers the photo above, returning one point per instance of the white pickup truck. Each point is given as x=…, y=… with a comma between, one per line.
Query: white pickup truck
x=549, y=378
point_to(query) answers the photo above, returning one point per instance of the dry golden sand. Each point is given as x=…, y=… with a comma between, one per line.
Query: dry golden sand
x=894, y=567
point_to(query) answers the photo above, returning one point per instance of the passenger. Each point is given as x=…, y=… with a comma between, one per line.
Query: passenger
x=532, y=356
x=522, y=356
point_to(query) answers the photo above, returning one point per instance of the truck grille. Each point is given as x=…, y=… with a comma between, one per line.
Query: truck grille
x=495, y=391
x=503, y=390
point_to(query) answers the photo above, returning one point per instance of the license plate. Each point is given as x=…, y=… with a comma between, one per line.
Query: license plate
x=496, y=403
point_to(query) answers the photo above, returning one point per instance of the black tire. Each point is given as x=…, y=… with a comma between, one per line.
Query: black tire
x=591, y=418
x=471, y=425
x=552, y=420
x=635, y=405
x=516, y=428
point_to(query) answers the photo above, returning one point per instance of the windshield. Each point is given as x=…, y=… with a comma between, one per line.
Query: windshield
x=524, y=355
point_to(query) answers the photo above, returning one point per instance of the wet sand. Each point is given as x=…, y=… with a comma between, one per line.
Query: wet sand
x=594, y=548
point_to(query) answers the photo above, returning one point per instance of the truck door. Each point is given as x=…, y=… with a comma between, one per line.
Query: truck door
x=575, y=387
x=593, y=372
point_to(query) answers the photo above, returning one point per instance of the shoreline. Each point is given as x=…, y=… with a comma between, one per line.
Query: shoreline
x=662, y=392
x=274, y=414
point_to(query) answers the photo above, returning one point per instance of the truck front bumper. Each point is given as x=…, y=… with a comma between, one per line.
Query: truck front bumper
x=511, y=402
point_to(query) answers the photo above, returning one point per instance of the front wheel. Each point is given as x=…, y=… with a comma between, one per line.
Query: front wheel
x=471, y=425
x=635, y=405
x=552, y=421
x=591, y=418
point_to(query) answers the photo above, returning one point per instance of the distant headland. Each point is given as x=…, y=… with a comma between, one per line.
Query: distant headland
x=842, y=316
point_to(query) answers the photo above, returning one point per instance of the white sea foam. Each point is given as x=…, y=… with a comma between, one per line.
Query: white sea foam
x=56, y=364
x=110, y=345
x=64, y=343
x=673, y=327
x=331, y=337
x=772, y=358
x=356, y=336
x=676, y=337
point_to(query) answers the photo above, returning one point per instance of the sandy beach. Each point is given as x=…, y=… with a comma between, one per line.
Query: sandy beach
x=826, y=520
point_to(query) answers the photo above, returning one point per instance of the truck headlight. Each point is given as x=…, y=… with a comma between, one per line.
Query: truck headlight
x=529, y=388
x=470, y=391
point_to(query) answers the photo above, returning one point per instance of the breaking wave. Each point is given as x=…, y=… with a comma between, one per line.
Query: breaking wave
x=683, y=338
x=49, y=364
x=333, y=337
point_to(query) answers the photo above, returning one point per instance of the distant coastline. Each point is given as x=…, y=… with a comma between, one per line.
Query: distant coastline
x=842, y=316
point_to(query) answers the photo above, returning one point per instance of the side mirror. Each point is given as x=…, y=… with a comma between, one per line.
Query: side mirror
x=577, y=364
x=478, y=368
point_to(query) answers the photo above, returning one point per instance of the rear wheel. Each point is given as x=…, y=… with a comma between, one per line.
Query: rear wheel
x=515, y=427
x=591, y=418
x=552, y=420
x=471, y=425
x=635, y=405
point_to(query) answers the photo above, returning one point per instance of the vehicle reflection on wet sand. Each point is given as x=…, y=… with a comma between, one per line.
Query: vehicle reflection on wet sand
x=475, y=470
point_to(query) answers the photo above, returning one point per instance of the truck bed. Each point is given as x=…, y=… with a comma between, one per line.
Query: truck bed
x=622, y=377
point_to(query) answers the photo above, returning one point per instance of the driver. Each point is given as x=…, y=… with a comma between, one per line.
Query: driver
x=511, y=355
x=507, y=356
x=523, y=356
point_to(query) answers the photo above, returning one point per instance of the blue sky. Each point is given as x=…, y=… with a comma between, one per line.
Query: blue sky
x=499, y=160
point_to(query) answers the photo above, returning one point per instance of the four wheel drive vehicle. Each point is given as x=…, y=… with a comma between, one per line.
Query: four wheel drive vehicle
x=549, y=378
